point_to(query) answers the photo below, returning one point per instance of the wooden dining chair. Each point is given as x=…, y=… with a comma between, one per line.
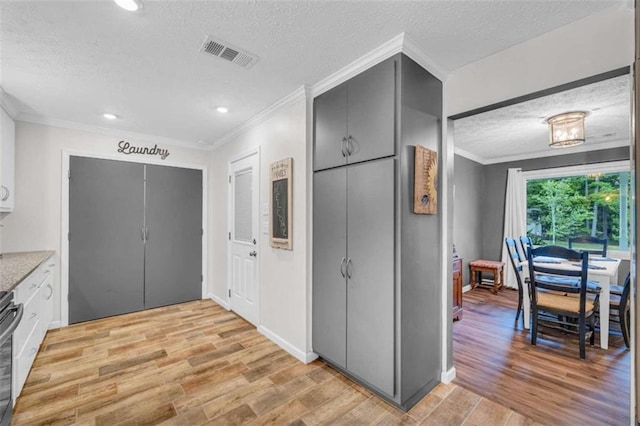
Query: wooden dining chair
x=588, y=239
x=620, y=308
x=525, y=243
x=516, y=259
x=565, y=297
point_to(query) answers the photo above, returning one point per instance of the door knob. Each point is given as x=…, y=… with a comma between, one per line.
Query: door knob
x=253, y=253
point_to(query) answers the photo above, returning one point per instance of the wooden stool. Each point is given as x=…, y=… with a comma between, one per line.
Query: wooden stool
x=480, y=266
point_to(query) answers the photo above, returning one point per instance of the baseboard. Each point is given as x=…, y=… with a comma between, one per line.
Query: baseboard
x=219, y=301
x=55, y=324
x=448, y=376
x=466, y=288
x=305, y=357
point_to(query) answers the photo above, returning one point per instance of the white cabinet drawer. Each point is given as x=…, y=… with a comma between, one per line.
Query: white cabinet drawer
x=25, y=358
x=27, y=288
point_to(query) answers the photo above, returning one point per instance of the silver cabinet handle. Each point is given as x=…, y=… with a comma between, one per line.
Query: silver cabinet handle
x=5, y=193
x=343, y=145
x=342, y=267
x=50, y=294
x=349, y=145
x=253, y=253
x=142, y=233
x=349, y=268
x=146, y=234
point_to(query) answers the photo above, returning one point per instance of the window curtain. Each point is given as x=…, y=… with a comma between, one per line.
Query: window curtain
x=515, y=219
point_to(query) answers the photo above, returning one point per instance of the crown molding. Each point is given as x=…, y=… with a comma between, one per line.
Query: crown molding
x=8, y=104
x=551, y=152
x=468, y=155
x=411, y=49
x=108, y=131
x=297, y=95
x=361, y=64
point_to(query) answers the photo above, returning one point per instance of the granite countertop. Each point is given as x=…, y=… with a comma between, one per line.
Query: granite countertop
x=15, y=267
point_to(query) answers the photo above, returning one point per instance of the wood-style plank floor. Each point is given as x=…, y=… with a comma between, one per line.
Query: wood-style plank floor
x=547, y=382
x=196, y=363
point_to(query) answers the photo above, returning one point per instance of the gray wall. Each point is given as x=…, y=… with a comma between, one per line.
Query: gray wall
x=468, y=219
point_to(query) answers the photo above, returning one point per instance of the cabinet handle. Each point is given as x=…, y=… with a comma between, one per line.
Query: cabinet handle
x=5, y=193
x=342, y=267
x=50, y=294
x=349, y=268
x=349, y=145
x=343, y=145
x=146, y=234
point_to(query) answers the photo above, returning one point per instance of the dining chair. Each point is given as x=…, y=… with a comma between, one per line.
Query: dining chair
x=620, y=305
x=566, y=297
x=525, y=243
x=516, y=259
x=588, y=239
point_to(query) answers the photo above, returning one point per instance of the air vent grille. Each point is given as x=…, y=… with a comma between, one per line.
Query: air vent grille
x=224, y=50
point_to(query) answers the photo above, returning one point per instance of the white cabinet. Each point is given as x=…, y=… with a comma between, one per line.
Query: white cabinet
x=7, y=176
x=36, y=294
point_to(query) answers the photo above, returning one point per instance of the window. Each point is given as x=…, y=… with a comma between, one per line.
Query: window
x=583, y=200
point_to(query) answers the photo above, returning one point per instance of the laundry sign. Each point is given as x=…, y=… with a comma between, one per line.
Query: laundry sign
x=125, y=147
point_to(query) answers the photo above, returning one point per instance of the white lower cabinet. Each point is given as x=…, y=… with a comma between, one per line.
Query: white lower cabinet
x=36, y=294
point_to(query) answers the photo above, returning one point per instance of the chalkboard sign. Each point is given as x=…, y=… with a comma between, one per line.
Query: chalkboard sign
x=281, y=211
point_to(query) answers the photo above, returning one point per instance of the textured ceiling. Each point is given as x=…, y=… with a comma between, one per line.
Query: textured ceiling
x=72, y=61
x=519, y=131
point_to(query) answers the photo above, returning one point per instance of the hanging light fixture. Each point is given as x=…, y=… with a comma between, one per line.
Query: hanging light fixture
x=566, y=129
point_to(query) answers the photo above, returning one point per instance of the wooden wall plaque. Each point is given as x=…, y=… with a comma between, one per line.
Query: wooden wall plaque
x=281, y=173
x=425, y=193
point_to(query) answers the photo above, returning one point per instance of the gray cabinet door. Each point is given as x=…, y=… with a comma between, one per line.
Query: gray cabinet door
x=371, y=114
x=173, y=250
x=329, y=249
x=106, y=251
x=370, y=288
x=330, y=127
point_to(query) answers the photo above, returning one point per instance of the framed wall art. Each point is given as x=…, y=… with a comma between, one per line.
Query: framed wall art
x=425, y=193
x=281, y=173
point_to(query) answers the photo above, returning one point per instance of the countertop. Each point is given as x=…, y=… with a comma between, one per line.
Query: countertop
x=15, y=267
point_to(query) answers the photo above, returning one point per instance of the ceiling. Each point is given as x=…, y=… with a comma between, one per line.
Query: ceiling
x=69, y=62
x=520, y=131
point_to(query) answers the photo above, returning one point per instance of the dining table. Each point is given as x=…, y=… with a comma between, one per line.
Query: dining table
x=603, y=270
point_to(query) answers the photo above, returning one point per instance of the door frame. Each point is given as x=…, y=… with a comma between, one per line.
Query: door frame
x=64, y=226
x=233, y=159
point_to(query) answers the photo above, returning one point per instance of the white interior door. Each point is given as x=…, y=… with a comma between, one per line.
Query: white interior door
x=243, y=233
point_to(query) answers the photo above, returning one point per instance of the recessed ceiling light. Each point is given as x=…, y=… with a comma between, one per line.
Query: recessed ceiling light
x=130, y=5
x=222, y=110
x=109, y=116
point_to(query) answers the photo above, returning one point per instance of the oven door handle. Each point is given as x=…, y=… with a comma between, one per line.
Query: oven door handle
x=14, y=324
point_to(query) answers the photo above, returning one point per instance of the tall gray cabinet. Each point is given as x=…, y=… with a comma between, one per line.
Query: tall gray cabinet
x=376, y=292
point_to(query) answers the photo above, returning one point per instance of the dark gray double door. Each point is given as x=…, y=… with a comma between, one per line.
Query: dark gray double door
x=135, y=237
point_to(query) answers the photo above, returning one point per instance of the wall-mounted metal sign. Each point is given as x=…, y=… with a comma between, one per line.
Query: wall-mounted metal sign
x=126, y=148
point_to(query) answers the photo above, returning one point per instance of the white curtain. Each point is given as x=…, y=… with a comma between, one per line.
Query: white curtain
x=515, y=219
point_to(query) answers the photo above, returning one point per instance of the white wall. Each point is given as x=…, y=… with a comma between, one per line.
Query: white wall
x=587, y=47
x=35, y=223
x=284, y=288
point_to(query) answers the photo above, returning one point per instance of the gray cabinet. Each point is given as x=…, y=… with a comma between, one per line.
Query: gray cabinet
x=353, y=270
x=355, y=121
x=370, y=272
x=376, y=266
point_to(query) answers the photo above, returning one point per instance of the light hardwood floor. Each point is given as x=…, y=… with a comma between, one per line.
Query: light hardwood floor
x=547, y=382
x=196, y=363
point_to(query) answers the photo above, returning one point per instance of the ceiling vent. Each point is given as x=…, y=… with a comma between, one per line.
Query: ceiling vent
x=226, y=51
